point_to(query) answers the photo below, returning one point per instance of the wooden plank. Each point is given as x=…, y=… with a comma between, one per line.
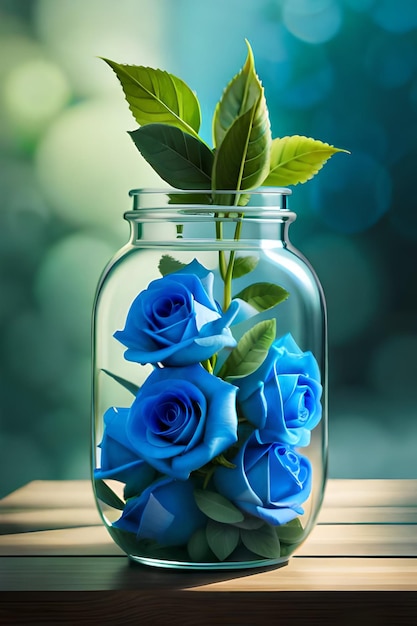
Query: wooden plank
x=301, y=574
x=343, y=493
x=368, y=515
x=342, y=540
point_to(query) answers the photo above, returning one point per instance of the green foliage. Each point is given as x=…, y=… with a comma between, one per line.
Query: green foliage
x=263, y=296
x=263, y=541
x=245, y=156
x=222, y=538
x=198, y=547
x=297, y=159
x=217, y=507
x=179, y=158
x=155, y=96
x=107, y=495
x=122, y=381
x=168, y=265
x=290, y=533
x=243, y=265
x=251, y=350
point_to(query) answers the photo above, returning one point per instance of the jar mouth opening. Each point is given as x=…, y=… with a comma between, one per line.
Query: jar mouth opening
x=204, y=192
x=222, y=200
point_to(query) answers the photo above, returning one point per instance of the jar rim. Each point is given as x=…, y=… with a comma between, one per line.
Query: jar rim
x=279, y=191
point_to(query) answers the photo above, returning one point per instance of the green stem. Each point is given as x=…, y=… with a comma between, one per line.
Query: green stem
x=227, y=298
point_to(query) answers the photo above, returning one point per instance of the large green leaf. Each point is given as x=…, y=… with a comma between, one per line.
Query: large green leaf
x=240, y=95
x=179, y=158
x=263, y=541
x=217, y=507
x=263, y=296
x=250, y=352
x=242, y=160
x=297, y=159
x=155, y=96
x=222, y=539
x=292, y=532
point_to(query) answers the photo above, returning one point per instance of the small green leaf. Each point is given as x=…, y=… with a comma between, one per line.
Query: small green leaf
x=243, y=265
x=217, y=507
x=107, y=495
x=122, y=381
x=198, y=547
x=250, y=352
x=292, y=532
x=263, y=541
x=168, y=265
x=156, y=96
x=297, y=159
x=240, y=95
x=263, y=296
x=250, y=523
x=222, y=539
x=180, y=159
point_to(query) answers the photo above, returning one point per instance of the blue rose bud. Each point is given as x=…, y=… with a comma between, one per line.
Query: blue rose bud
x=270, y=481
x=165, y=512
x=176, y=321
x=181, y=419
x=282, y=397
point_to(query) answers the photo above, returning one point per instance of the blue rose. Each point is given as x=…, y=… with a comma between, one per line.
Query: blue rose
x=181, y=419
x=118, y=461
x=176, y=321
x=165, y=512
x=282, y=397
x=270, y=480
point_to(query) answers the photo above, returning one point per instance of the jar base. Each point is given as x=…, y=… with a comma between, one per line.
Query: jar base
x=226, y=565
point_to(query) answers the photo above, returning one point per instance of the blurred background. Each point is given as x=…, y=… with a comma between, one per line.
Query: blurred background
x=343, y=71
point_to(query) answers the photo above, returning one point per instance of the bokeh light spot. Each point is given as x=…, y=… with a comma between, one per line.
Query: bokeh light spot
x=352, y=193
x=66, y=282
x=312, y=21
x=397, y=16
x=391, y=62
x=86, y=164
x=33, y=93
x=77, y=32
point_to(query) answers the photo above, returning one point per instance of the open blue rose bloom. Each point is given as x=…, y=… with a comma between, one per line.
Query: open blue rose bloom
x=205, y=443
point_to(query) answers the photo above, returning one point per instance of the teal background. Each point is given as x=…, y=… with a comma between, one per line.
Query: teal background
x=344, y=71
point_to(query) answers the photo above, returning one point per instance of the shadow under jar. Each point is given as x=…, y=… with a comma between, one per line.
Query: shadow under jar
x=209, y=430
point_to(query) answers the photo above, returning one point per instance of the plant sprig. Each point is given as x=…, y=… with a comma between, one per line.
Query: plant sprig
x=244, y=155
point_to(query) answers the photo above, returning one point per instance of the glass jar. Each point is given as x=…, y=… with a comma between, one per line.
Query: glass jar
x=209, y=432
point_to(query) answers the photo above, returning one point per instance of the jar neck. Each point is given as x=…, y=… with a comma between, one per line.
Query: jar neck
x=223, y=216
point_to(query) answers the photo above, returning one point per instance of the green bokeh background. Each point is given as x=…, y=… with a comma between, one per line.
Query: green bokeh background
x=344, y=71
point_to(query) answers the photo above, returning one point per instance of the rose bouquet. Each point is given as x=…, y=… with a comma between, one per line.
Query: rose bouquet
x=210, y=451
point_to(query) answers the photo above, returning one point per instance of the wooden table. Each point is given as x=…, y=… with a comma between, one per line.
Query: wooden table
x=58, y=565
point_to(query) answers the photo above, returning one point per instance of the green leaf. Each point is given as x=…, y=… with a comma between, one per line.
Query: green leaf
x=122, y=381
x=222, y=539
x=217, y=507
x=250, y=523
x=263, y=296
x=107, y=495
x=250, y=352
x=180, y=159
x=240, y=95
x=198, y=547
x=242, y=160
x=292, y=532
x=168, y=265
x=243, y=265
x=155, y=96
x=263, y=541
x=297, y=159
